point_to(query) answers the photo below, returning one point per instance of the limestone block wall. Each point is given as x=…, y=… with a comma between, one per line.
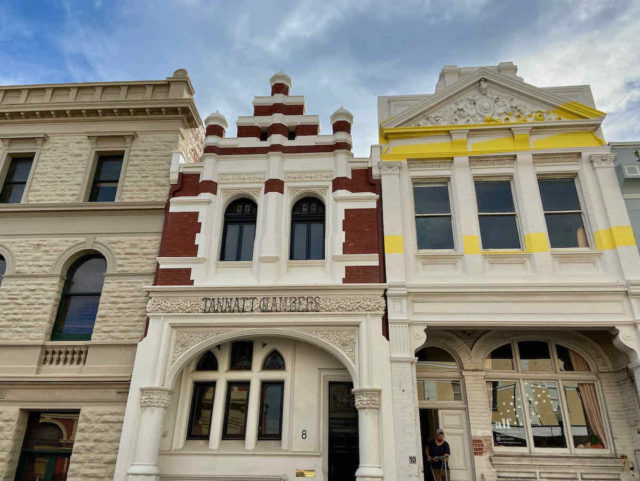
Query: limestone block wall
x=96, y=444
x=12, y=427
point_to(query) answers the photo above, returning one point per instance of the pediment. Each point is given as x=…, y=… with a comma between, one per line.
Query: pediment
x=485, y=97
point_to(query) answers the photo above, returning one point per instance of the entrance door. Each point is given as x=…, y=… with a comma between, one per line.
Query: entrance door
x=343, y=433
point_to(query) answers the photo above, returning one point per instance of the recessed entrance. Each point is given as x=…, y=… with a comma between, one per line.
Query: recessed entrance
x=343, y=433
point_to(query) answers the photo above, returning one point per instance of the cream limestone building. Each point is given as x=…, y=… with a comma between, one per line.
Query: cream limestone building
x=84, y=178
x=513, y=281
x=267, y=311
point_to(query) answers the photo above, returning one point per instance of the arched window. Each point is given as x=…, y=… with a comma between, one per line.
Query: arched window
x=80, y=299
x=239, y=231
x=436, y=359
x=273, y=362
x=544, y=395
x=3, y=268
x=207, y=362
x=307, y=229
x=438, y=376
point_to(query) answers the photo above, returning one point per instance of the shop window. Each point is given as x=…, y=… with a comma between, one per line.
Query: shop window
x=207, y=362
x=271, y=400
x=563, y=213
x=538, y=419
x=3, y=268
x=235, y=415
x=80, y=299
x=497, y=215
x=439, y=390
x=241, y=355
x=273, y=362
x=239, y=231
x=106, y=178
x=433, y=216
x=47, y=446
x=15, y=181
x=201, y=410
x=307, y=230
x=436, y=359
x=500, y=359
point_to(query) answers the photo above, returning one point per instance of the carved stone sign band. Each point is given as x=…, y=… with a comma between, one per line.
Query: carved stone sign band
x=155, y=397
x=367, y=398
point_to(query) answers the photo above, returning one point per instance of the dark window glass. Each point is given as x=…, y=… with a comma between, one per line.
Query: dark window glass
x=507, y=418
x=274, y=361
x=3, y=268
x=106, y=178
x=80, y=299
x=201, y=410
x=570, y=360
x=207, y=362
x=433, y=216
x=534, y=356
x=271, y=397
x=292, y=135
x=545, y=417
x=235, y=415
x=307, y=230
x=264, y=135
x=239, y=231
x=563, y=213
x=434, y=358
x=498, y=226
x=500, y=359
x=241, y=355
x=47, y=446
x=16, y=180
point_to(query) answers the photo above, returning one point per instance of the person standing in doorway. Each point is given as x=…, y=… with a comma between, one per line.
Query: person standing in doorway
x=438, y=453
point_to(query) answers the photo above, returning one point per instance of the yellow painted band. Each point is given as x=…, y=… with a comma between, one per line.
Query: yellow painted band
x=393, y=244
x=536, y=242
x=617, y=236
x=471, y=244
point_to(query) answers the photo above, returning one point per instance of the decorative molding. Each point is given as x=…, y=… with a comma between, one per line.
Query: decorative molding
x=240, y=178
x=491, y=162
x=602, y=160
x=193, y=305
x=387, y=167
x=367, y=398
x=556, y=159
x=186, y=339
x=155, y=397
x=309, y=175
x=343, y=339
x=429, y=164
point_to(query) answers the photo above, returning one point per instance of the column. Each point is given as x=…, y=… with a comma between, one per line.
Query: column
x=153, y=404
x=270, y=240
x=368, y=406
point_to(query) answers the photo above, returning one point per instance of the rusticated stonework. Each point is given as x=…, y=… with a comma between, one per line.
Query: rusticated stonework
x=193, y=305
x=155, y=397
x=367, y=398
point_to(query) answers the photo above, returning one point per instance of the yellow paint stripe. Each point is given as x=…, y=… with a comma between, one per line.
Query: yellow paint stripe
x=617, y=236
x=393, y=244
x=471, y=244
x=536, y=242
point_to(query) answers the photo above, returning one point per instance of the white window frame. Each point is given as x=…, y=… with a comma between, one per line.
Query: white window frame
x=501, y=178
x=419, y=182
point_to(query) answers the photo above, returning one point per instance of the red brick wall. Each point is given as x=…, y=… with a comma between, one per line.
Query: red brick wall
x=361, y=274
x=174, y=277
x=360, y=231
x=482, y=445
x=179, y=235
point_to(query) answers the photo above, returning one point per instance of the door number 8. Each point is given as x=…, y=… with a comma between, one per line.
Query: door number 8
x=303, y=434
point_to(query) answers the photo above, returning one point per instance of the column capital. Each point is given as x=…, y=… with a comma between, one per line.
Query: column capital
x=367, y=398
x=388, y=167
x=602, y=160
x=155, y=396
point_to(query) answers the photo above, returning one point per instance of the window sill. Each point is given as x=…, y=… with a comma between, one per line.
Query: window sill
x=506, y=252
x=305, y=263
x=438, y=253
x=234, y=263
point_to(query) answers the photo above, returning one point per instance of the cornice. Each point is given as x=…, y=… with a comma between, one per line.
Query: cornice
x=118, y=207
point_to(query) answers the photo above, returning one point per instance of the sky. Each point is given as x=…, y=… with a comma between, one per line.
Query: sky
x=338, y=53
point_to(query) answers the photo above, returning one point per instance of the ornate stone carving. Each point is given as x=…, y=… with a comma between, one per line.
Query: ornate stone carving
x=487, y=105
x=192, y=305
x=556, y=159
x=155, y=397
x=389, y=167
x=186, y=339
x=602, y=160
x=240, y=178
x=429, y=164
x=310, y=175
x=491, y=162
x=367, y=398
x=343, y=339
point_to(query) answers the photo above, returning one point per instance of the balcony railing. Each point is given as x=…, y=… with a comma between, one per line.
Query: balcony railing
x=60, y=355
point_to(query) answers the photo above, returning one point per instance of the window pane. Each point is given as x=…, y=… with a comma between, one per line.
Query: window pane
x=271, y=410
x=3, y=268
x=19, y=170
x=559, y=194
x=316, y=244
x=47, y=431
x=207, y=362
x=494, y=196
x=566, y=230
x=88, y=275
x=436, y=359
x=231, y=239
x=235, y=416
x=585, y=417
x=534, y=356
x=570, y=360
x=431, y=390
x=543, y=403
x=103, y=192
x=12, y=193
x=499, y=232
x=431, y=199
x=506, y=414
x=299, y=241
x=201, y=410
x=248, y=237
x=434, y=232
x=274, y=361
x=241, y=355
x=77, y=317
x=500, y=359
x=108, y=169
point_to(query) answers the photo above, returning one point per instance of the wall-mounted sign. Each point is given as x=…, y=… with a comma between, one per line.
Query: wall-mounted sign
x=305, y=473
x=261, y=304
